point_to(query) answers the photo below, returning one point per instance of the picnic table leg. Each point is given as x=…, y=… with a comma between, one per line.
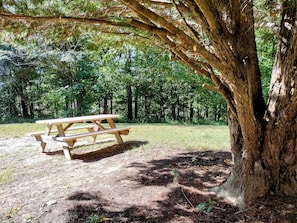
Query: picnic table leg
x=116, y=134
x=66, y=149
x=47, y=132
x=96, y=128
x=43, y=145
x=67, y=154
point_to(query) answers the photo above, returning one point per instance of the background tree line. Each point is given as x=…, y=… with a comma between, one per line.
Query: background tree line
x=76, y=77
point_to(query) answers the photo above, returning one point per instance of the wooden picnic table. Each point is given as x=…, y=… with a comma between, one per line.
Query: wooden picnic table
x=58, y=130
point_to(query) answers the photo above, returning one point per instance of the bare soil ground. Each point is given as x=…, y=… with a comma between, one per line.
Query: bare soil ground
x=124, y=183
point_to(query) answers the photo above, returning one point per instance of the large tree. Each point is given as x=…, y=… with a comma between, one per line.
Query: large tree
x=217, y=40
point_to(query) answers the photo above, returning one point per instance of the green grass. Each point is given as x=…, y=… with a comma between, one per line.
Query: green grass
x=186, y=136
x=17, y=130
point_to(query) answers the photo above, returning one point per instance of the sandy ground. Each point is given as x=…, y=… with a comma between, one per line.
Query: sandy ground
x=112, y=183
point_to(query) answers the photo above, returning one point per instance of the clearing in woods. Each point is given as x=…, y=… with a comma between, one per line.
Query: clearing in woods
x=163, y=173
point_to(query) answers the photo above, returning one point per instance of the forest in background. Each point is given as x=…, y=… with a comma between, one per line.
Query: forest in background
x=85, y=75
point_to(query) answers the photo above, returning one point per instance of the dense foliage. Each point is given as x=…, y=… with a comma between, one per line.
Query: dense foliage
x=67, y=73
x=78, y=76
x=75, y=77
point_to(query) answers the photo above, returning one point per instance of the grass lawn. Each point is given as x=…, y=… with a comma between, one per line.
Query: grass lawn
x=190, y=137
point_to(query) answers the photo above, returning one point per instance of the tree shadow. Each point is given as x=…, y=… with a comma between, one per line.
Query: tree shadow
x=98, y=152
x=187, y=178
x=101, y=153
x=188, y=169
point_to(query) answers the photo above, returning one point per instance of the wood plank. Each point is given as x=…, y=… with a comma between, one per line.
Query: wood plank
x=48, y=139
x=88, y=127
x=106, y=131
x=81, y=119
x=67, y=153
x=35, y=133
x=124, y=132
x=116, y=134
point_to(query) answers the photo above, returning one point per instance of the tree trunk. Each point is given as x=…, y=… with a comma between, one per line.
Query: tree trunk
x=12, y=107
x=161, y=103
x=136, y=104
x=31, y=109
x=248, y=179
x=129, y=102
x=206, y=114
x=191, y=115
x=264, y=145
x=147, y=105
x=279, y=155
x=111, y=103
x=25, y=112
x=173, y=112
x=99, y=106
x=105, y=105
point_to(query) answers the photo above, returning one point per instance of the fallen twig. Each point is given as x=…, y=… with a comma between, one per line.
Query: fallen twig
x=182, y=189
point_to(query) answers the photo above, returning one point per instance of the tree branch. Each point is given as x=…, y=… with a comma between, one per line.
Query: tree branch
x=209, y=13
x=235, y=9
x=143, y=11
x=197, y=14
x=173, y=31
x=157, y=3
x=47, y=19
x=191, y=29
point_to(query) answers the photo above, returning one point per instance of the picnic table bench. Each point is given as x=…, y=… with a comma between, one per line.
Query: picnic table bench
x=60, y=134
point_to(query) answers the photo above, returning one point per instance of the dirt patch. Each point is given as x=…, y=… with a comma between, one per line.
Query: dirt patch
x=126, y=183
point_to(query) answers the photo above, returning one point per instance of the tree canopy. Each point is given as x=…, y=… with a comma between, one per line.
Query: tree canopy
x=188, y=30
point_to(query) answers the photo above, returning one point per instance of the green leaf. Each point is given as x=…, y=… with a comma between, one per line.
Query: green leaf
x=209, y=209
x=201, y=206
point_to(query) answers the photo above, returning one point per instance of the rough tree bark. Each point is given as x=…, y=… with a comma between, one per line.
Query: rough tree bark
x=264, y=158
x=280, y=148
x=264, y=145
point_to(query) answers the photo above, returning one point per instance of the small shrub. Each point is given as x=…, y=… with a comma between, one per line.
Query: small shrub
x=93, y=218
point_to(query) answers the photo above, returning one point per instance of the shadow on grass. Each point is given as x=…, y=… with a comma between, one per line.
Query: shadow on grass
x=186, y=178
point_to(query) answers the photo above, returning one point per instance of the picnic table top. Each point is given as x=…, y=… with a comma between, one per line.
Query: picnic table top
x=77, y=119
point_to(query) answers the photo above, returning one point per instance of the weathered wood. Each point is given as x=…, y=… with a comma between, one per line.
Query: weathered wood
x=124, y=132
x=116, y=134
x=67, y=153
x=68, y=141
x=47, y=139
x=81, y=119
x=63, y=125
x=55, y=130
x=82, y=135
